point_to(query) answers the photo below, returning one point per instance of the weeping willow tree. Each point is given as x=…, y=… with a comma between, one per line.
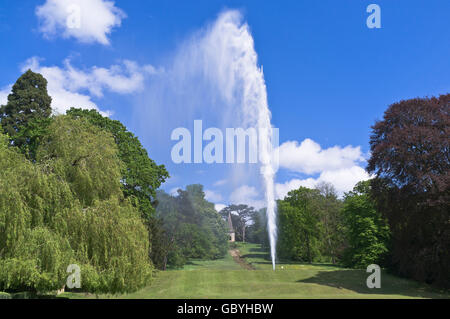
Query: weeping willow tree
x=68, y=208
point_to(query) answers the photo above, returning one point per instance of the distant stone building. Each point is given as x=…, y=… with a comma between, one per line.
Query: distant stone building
x=231, y=235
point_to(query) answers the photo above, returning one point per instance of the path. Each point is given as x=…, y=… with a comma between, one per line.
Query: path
x=241, y=261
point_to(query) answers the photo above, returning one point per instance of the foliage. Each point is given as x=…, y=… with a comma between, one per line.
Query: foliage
x=311, y=226
x=86, y=179
x=331, y=218
x=241, y=216
x=67, y=208
x=35, y=131
x=84, y=156
x=299, y=226
x=410, y=147
x=28, y=101
x=367, y=231
x=123, y=257
x=410, y=157
x=192, y=227
x=257, y=230
x=141, y=177
x=159, y=243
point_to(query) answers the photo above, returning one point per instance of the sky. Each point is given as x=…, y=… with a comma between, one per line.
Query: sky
x=159, y=65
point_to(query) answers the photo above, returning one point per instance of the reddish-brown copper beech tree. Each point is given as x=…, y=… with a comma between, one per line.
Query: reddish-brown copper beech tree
x=411, y=160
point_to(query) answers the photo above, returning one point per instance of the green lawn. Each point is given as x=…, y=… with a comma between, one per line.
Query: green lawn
x=226, y=279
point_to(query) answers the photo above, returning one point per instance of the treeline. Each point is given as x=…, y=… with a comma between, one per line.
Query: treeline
x=188, y=227
x=400, y=219
x=74, y=189
x=316, y=226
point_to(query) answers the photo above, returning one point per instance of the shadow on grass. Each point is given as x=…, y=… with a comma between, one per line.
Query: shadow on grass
x=259, y=250
x=190, y=262
x=258, y=253
x=355, y=280
x=264, y=258
x=256, y=256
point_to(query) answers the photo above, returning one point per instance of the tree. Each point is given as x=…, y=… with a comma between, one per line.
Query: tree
x=257, y=230
x=241, y=216
x=198, y=211
x=164, y=230
x=367, y=231
x=410, y=147
x=410, y=158
x=158, y=250
x=332, y=220
x=52, y=215
x=28, y=101
x=299, y=225
x=84, y=156
x=141, y=176
x=192, y=228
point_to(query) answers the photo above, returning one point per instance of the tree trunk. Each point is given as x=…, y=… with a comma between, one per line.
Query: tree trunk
x=165, y=262
x=308, y=249
x=169, y=247
x=333, y=260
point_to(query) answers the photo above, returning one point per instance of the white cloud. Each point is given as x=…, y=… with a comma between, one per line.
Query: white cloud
x=308, y=157
x=342, y=179
x=219, y=207
x=212, y=196
x=174, y=191
x=4, y=92
x=220, y=182
x=247, y=195
x=87, y=21
x=72, y=87
x=281, y=189
x=339, y=166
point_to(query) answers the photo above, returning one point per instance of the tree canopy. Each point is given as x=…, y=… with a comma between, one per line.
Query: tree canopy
x=332, y=220
x=28, y=101
x=410, y=147
x=85, y=156
x=367, y=231
x=53, y=213
x=410, y=156
x=192, y=227
x=241, y=216
x=299, y=225
x=141, y=176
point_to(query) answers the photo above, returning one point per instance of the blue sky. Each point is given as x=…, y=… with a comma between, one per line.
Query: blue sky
x=328, y=76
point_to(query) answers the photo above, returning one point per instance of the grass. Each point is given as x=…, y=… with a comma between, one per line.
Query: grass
x=5, y=295
x=226, y=279
x=226, y=263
